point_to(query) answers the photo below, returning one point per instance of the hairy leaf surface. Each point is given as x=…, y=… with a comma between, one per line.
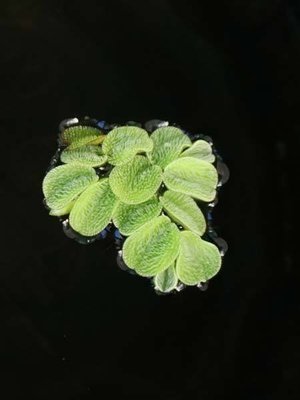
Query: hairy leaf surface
x=93, y=210
x=64, y=183
x=87, y=155
x=167, y=280
x=200, y=149
x=193, y=177
x=153, y=247
x=77, y=136
x=136, y=181
x=198, y=260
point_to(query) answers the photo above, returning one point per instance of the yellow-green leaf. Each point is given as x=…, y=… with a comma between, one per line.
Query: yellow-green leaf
x=153, y=247
x=184, y=210
x=130, y=217
x=93, y=210
x=87, y=155
x=136, y=181
x=198, y=260
x=167, y=280
x=64, y=183
x=193, y=177
x=77, y=136
x=200, y=149
x=168, y=143
x=62, y=211
x=123, y=143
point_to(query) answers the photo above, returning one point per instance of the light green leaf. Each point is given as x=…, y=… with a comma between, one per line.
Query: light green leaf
x=168, y=143
x=136, y=181
x=184, y=210
x=88, y=155
x=191, y=176
x=62, y=211
x=77, y=136
x=93, y=210
x=198, y=260
x=153, y=247
x=130, y=217
x=167, y=280
x=123, y=143
x=200, y=149
x=64, y=183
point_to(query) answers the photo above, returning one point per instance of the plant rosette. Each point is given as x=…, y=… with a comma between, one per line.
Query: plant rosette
x=155, y=186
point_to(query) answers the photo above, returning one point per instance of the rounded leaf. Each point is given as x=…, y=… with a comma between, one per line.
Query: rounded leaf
x=77, y=136
x=191, y=176
x=198, y=260
x=87, y=155
x=130, y=217
x=153, y=247
x=184, y=210
x=93, y=210
x=62, y=211
x=64, y=183
x=200, y=149
x=136, y=181
x=168, y=142
x=167, y=280
x=123, y=143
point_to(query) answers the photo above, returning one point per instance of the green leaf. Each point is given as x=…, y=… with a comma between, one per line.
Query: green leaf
x=64, y=183
x=123, y=143
x=168, y=143
x=167, y=280
x=93, y=210
x=153, y=247
x=77, y=136
x=200, y=149
x=88, y=155
x=191, y=176
x=62, y=211
x=130, y=217
x=184, y=210
x=136, y=181
x=198, y=260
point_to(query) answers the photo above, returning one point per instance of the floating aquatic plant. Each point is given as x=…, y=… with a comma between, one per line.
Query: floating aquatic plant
x=154, y=185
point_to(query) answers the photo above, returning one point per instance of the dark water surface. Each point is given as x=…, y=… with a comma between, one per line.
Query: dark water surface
x=72, y=324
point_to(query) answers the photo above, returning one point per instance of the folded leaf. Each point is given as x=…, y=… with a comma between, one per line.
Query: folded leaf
x=191, y=176
x=93, y=210
x=77, y=136
x=64, y=183
x=87, y=155
x=130, y=217
x=153, y=247
x=62, y=211
x=200, y=149
x=136, y=181
x=123, y=143
x=184, y=210
x=167, y=280
x=168, y=143
x=198, y=260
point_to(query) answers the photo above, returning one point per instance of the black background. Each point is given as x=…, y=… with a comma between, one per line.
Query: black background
x=72, y=324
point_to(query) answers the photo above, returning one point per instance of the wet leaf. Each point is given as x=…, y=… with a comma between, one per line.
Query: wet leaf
x=93, y=210
x=77, y=136
x=198, y=260
x=124, y=142
x=130, y=217
x=168, y=143
x=153, y=247
x=87, y=155
x=193, y=177
x=167, y=280
x=184, y=210
x=200, y=149
x=136, y=181
x=64, y=183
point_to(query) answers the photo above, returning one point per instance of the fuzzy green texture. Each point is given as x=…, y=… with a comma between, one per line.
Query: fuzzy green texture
x=150, y=192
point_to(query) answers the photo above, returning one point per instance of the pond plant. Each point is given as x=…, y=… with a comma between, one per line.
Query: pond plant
x=153, y=186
